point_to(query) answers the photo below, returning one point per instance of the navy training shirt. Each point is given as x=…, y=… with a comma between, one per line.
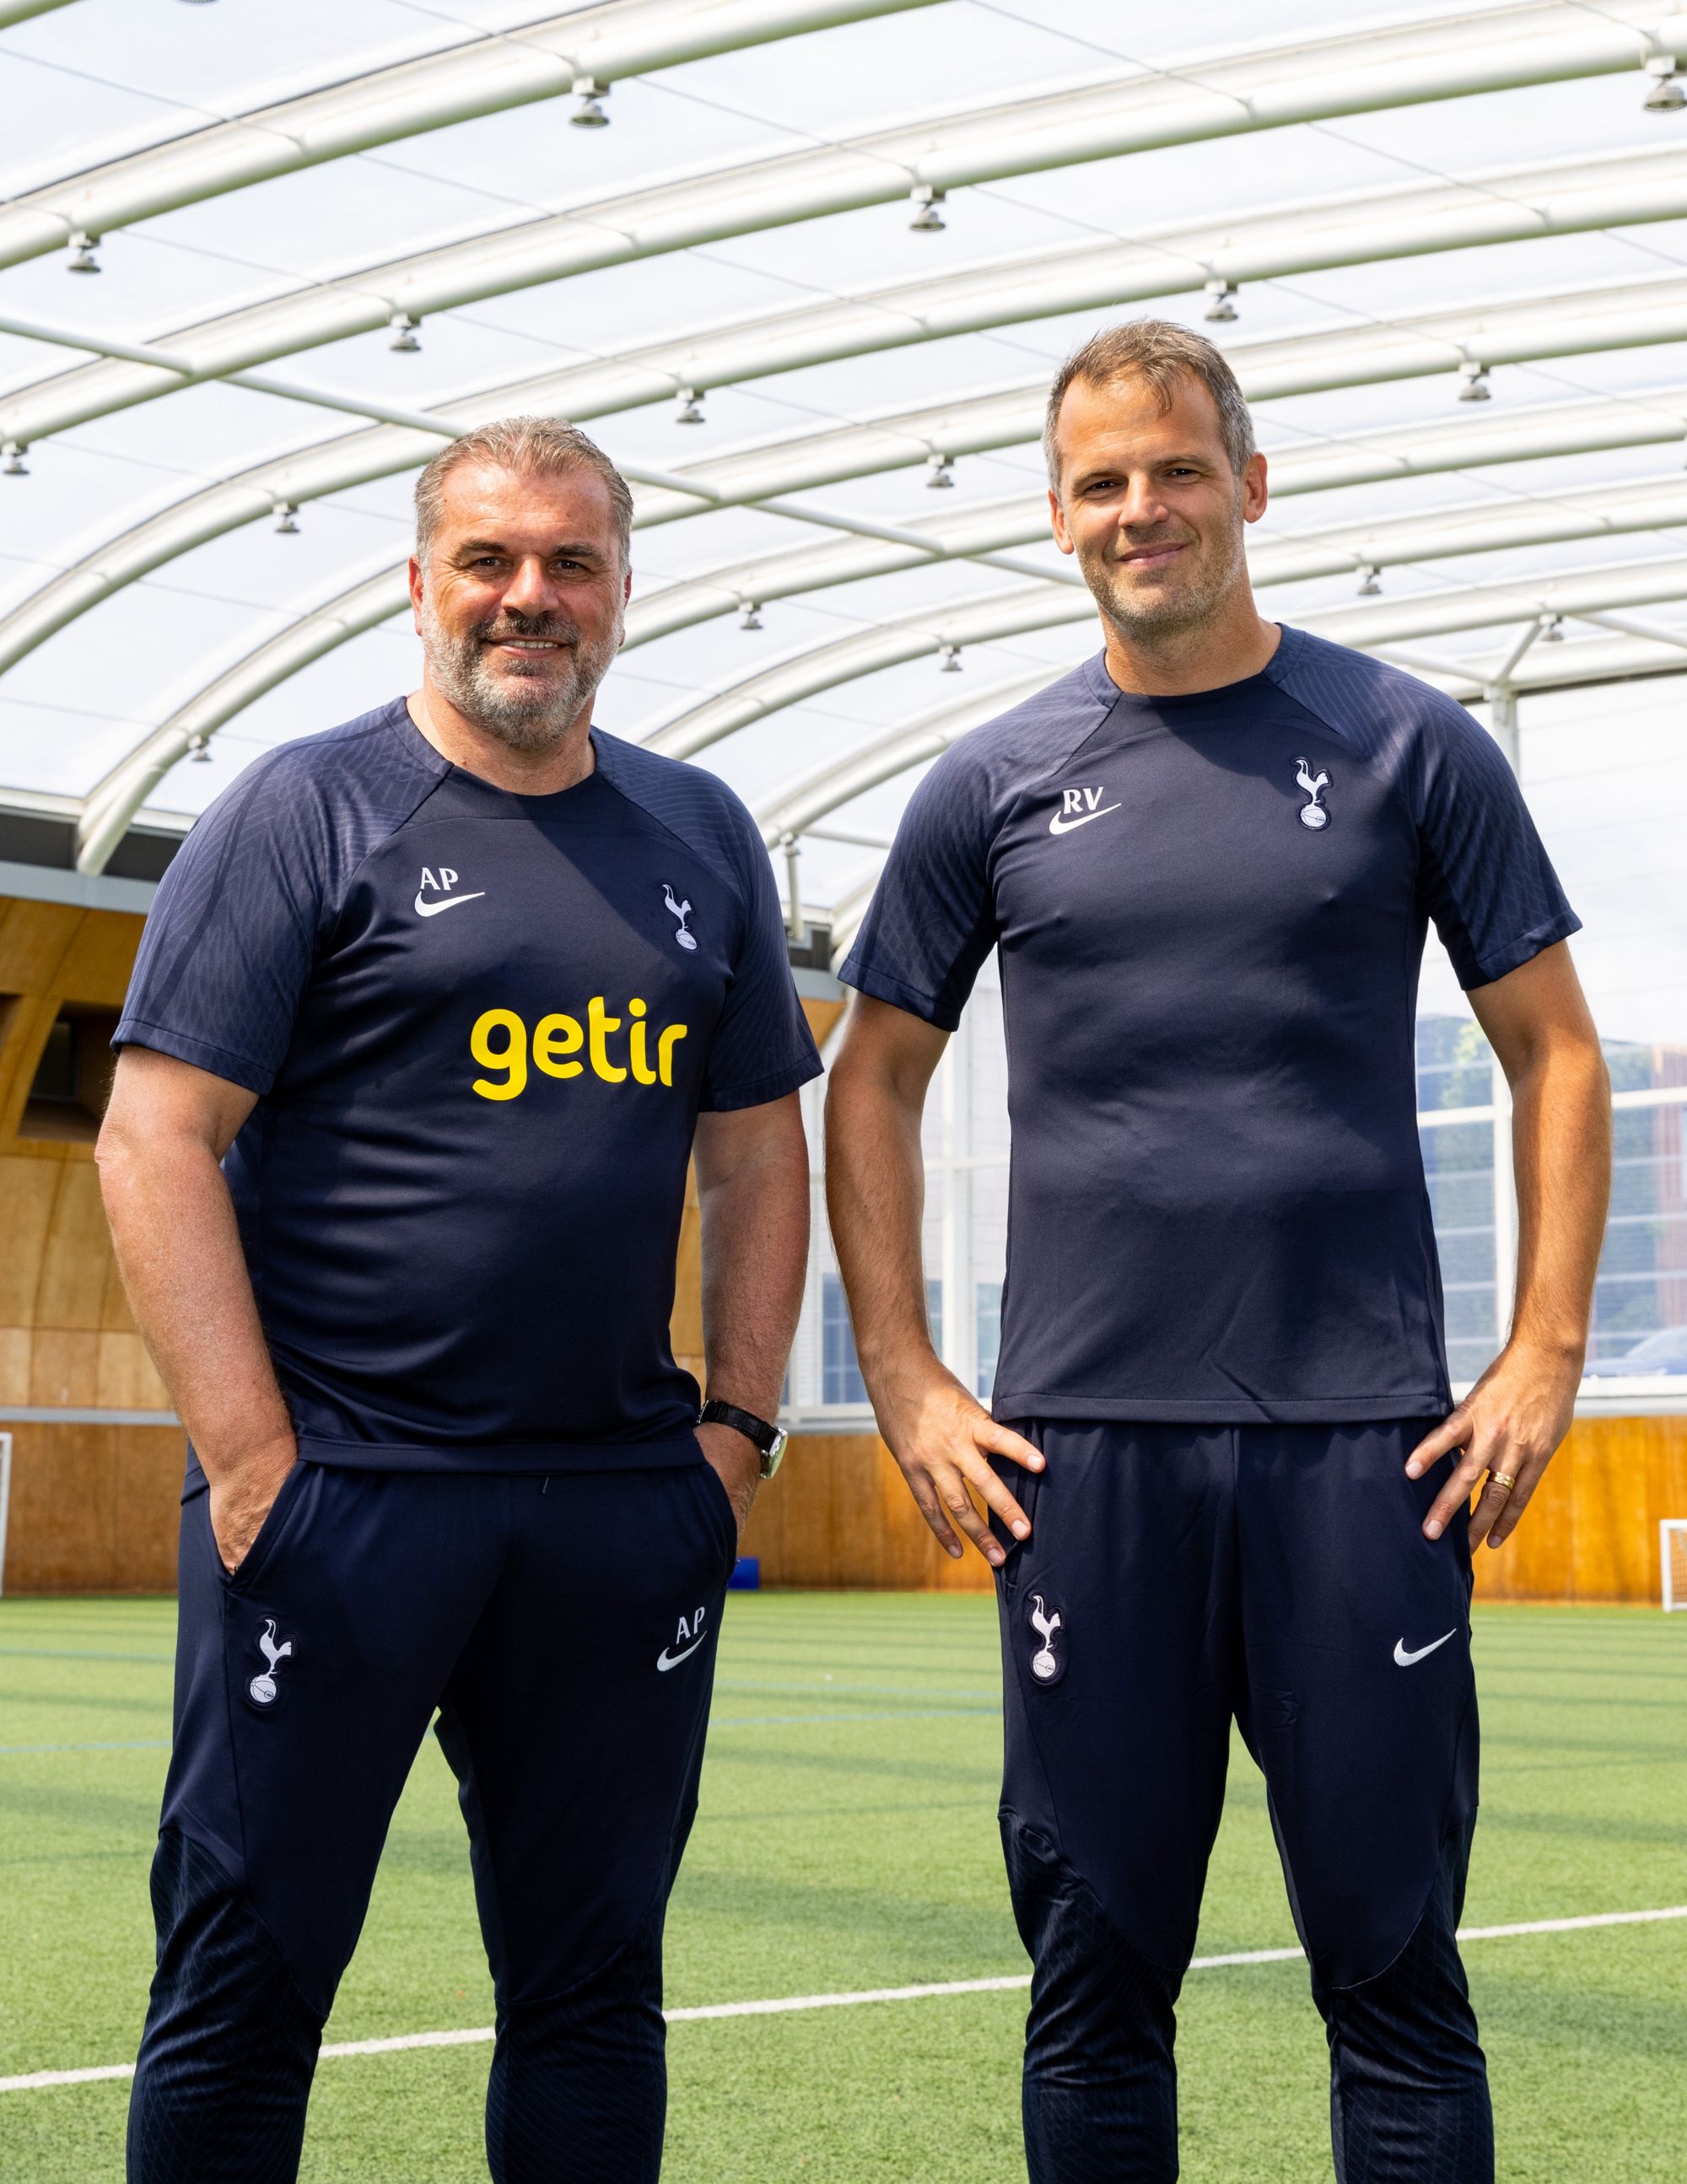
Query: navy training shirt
x=481, y=1026
x=1211, y=913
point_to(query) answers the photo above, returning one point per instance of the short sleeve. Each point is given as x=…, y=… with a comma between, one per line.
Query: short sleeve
x=932, y=921
x=1489, y=883
x=762, y=1047
x=231, y=941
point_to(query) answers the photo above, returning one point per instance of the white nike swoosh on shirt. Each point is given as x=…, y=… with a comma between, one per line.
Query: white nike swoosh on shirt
x=1404, y=1660
x=665, y=1660
x=446, y=902
x=1061, y=825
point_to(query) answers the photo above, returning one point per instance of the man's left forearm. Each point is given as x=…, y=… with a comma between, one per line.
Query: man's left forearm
x=1506, y=1429
x=1561, y=1151
x=753, y=1197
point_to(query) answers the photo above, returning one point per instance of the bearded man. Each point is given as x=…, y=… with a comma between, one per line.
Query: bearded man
x=1209, y=858
x=428, y=1016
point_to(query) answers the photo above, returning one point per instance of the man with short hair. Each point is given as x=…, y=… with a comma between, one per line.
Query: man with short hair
x=427, y=1018
x=1207, y=860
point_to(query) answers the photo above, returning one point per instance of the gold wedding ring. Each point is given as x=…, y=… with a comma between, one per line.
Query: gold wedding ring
x=1501, y=1479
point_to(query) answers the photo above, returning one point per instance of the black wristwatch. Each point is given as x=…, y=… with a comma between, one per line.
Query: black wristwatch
x=769, y=1439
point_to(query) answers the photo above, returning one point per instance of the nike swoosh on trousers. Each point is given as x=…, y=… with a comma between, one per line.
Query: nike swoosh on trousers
x=1404, y=1660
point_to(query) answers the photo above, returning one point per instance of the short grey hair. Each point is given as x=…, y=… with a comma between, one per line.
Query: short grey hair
x=539, y=447
x=1162, y=353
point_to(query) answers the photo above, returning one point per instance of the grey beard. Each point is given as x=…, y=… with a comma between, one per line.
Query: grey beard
x=526, y=713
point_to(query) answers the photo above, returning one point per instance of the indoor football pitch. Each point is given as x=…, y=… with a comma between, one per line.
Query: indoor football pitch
x=847, y=1845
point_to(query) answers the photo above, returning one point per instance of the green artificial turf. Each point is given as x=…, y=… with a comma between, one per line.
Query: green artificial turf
x=847, y=1840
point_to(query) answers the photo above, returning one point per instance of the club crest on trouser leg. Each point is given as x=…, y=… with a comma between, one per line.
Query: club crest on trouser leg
x=263, y=1690
x=1048, y=1654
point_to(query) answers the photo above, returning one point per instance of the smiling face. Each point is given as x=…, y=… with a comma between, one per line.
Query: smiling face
x=519, y=607
x=1149, y=502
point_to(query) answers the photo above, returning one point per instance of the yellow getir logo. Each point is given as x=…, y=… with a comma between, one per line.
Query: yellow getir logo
x=499, y=1042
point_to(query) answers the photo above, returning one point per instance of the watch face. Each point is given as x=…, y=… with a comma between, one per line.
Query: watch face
x=778, y=1448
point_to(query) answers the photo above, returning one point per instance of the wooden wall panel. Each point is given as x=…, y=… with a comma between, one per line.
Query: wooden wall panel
x=66, y=1336
x=840, y=1514
x=94, y=1507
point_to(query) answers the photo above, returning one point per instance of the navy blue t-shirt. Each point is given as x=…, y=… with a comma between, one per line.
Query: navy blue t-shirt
x=481, y=1026
x=1210, y=912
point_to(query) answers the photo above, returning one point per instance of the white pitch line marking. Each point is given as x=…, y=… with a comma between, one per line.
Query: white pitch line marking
x=481, y=2035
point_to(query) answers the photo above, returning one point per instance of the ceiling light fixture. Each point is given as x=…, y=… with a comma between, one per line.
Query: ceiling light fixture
x=939, y=472
x=286, y=518
x=1552, y=630
x=1221, y=308
x=690, y=409
x=589, y=113
x=404, y=339
x=1474, y=386
x=928, y=200
x=951, y=659
x=1666, y=95
x=14, y=465
x=82, y=248
x=1369, y=588
x=199, y=751
x=751, y=616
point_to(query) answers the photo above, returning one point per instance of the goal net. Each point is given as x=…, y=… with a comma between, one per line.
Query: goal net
x=1672, y=1552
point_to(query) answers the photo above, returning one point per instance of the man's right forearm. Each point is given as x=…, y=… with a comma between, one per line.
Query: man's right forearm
x=178, y=1249
x=941, y=1436
x=875, y=1192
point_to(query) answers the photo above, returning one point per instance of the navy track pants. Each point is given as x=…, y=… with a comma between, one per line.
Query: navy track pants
x=566, y=1632
x=1177, y=1578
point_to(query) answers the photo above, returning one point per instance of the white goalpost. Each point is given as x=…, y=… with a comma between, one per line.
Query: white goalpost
x=5, y=1499
x=1672, y=1541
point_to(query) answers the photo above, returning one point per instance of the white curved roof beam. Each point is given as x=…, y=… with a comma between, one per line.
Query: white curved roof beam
x=796, y=809
x=915, y=542
x=1000, y=614
x=1033, y=136
x=488, y=72
x=971, y=533
x=110, y=806
x=1517, y=330
x=376, y=598
x=19, y=11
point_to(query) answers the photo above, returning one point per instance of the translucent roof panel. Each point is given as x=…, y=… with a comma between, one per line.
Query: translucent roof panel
x=819, y=265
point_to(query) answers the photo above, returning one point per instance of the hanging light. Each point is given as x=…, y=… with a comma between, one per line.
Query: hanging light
x=82, y=248
x=951, y=660
x=927, y=200
x=404, y=339
x=751, y=616
x=689, y=409
x=939, y=472
x=1369, y=588
x=1552, y=630
x=589, y=113
x=199, y=750
x=1221, y=308
x=1474, y=386
x=1666, y=95
x=286, y=518
x=13, y=466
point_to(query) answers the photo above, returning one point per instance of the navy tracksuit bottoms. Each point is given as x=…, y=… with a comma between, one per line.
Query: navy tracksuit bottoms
x=564, y=1628
x=1178, y=1577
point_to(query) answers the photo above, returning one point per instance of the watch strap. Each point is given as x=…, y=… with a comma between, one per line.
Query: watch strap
x=769, y=1438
